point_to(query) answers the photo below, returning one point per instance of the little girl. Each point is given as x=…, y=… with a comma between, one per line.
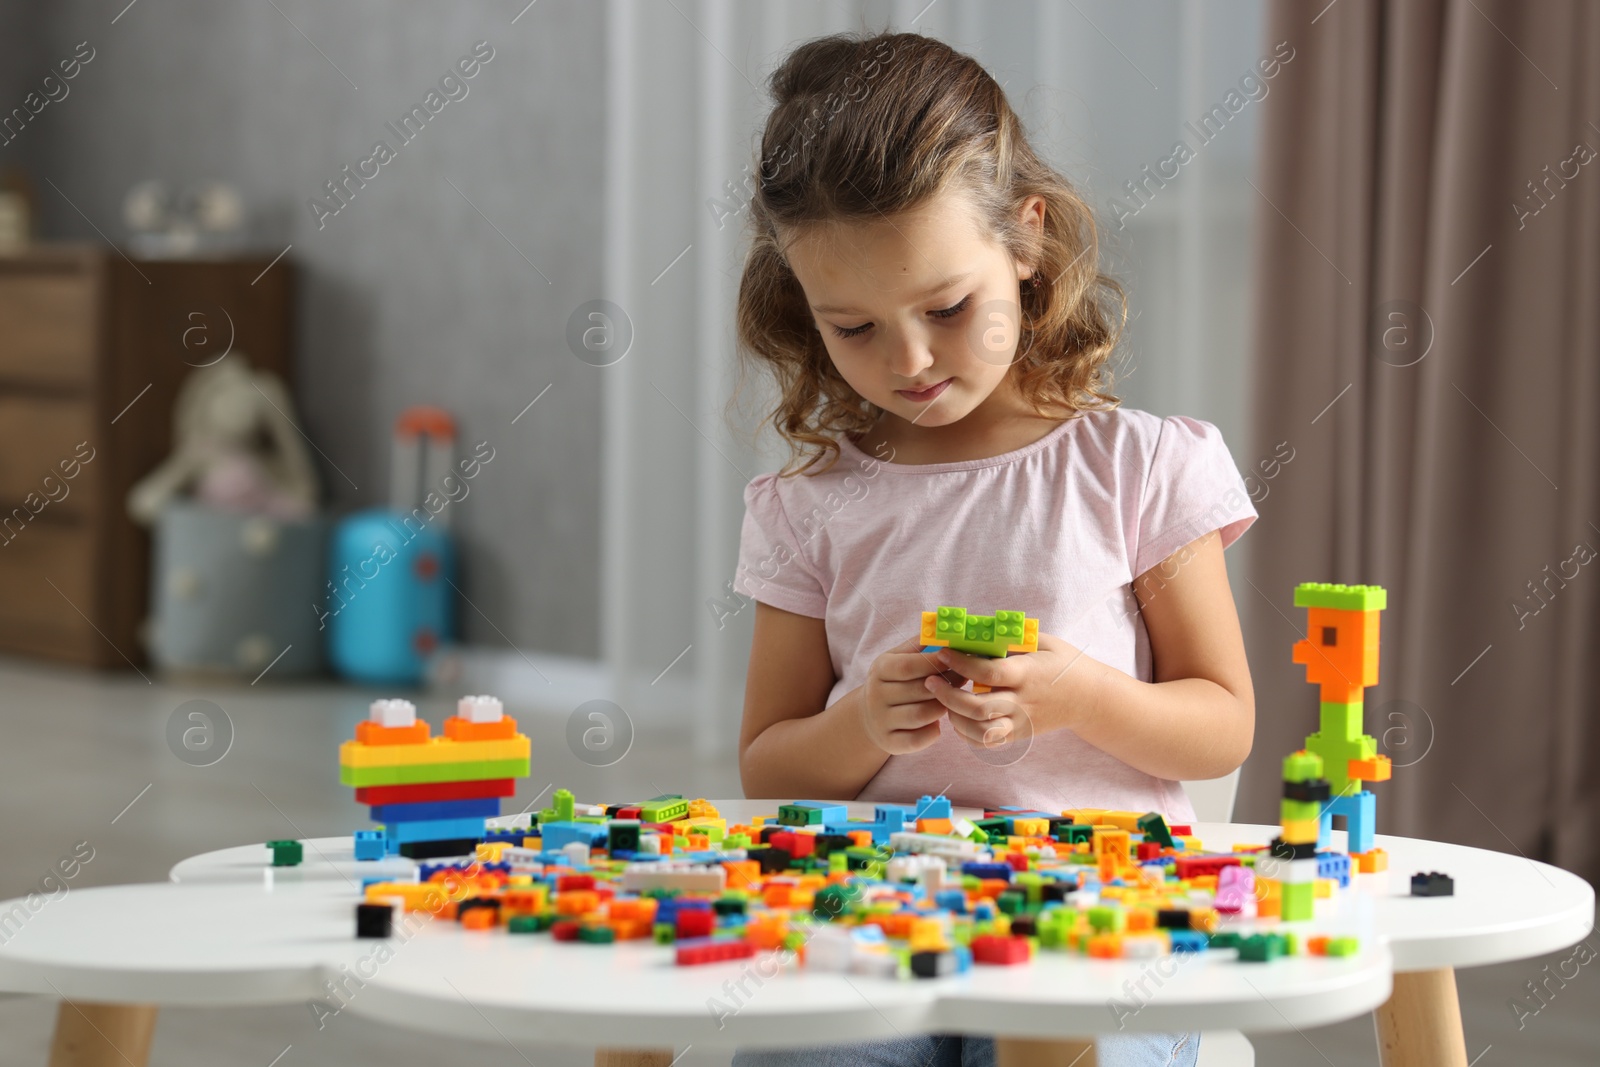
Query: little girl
x=926, y=292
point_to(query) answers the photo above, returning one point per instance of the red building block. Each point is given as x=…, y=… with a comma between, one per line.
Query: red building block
x=1017, y=861
x=714, y=952
x=574, y=881
x=795, y=844
x=991, y=948
x=1198, y=866
x=429, y=791
x=695, y=922
x=565, y=930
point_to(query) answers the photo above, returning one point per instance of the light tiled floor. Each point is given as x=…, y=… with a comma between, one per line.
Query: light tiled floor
x=76, y=749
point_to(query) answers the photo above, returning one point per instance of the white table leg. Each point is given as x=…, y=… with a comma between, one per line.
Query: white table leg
x=1421, y=1022
x=630, y=1057
x=1026, y=1052
x=103, y=1035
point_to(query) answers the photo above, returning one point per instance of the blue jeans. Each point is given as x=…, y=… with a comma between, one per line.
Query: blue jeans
x=950, y=1050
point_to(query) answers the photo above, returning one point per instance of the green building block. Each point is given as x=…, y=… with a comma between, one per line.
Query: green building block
x=1154, y=828
x=1343, y=721
x=1260, y=948
x=1010, y=901
x=1297, y=900
x=1302, y=766
x=1030, y=883
x=597, y=935
x=1343, y=946
x=1224, y=939
x=287, y=853
x=564, y=804
x=1297, y=810
x=423, y=773
x=623, y=836
x=797, y=815
x=1340, y=597
x=1106, y=920
x=1336, y=753
x=663, y=933
x=525, y=924
x=980, y=635
x=1075, y=833
x=664, y=809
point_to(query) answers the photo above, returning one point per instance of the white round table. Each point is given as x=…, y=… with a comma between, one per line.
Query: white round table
x=224, y=934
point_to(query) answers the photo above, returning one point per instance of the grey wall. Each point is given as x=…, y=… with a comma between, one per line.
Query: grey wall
x=408, y=295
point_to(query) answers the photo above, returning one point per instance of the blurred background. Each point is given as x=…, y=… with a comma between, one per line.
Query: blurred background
x=236, y=339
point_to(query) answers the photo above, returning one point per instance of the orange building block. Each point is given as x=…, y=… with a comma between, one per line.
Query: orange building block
x=373, y=733
x=1371, y=862
x=1349, y=664
x=1376, y=769
x=458, y=729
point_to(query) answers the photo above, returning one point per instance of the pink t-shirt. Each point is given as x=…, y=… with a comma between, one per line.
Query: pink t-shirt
x=1059, y=529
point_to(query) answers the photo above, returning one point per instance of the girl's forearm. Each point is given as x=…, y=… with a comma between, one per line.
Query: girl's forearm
x=826, y=756
x=1184, y=729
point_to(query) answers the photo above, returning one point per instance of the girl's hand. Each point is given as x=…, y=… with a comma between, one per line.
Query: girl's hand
x=1031, y=692
x=900, y=715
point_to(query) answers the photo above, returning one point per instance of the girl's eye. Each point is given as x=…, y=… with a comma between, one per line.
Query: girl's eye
x=942, y=313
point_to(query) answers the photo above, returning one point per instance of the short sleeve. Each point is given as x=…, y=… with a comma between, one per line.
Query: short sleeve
x=1191, y=489
x=772, y=568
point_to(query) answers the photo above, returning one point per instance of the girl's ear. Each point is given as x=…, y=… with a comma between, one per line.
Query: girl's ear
x=1031, y=216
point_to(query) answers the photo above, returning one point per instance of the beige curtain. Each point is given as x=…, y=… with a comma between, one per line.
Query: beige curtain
x=1426, y=334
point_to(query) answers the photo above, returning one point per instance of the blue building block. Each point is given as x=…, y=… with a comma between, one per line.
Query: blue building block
x=1360, y=811
x=369, y=845
x=951, y=900
x=979, y=869
x=1188, y=940
x=831, y=813
x=396, y=834
x=888, y=819
x=481, y=807
x=932, y=807
x=557, y=835
x=1334, y=865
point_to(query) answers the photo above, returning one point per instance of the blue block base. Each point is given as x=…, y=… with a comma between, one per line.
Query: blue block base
x=400, y=833
x=475, y=808
x=1361, y=817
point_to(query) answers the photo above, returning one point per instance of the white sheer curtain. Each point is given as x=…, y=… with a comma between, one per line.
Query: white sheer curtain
x=1106, y=89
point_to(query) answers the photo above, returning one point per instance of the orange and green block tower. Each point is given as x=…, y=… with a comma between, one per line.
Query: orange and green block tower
x=979, y=635
x=1340, y=654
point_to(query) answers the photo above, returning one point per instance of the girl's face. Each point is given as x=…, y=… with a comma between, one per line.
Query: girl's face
x=918, y=311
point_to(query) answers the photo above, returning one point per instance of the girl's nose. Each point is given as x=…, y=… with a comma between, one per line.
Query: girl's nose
x=911, y=355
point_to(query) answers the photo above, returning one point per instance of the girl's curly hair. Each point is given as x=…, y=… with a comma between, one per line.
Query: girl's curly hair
x=867, y=127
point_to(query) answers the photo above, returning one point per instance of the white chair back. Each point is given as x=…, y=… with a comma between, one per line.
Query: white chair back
x=1213, y=797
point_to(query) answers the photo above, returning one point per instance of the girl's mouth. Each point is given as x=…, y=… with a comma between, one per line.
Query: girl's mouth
x=924, y=396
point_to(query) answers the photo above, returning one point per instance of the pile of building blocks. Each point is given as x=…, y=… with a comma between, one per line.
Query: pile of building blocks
x=913, y=891
x=432, y=795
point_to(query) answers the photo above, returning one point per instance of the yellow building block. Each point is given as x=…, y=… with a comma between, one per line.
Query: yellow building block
x=1300, y=831
x=1031, y=827
x=435, y=750
x=1085, y=815
x=1122, y=820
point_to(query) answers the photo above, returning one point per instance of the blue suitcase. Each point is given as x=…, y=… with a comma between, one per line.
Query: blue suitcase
x=389, y=596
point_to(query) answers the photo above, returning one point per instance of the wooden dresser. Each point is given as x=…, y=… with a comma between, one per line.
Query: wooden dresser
x=93, y=348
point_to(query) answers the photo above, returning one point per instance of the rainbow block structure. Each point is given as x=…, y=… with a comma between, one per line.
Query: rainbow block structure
x=1340, y=654
x=431, y=794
